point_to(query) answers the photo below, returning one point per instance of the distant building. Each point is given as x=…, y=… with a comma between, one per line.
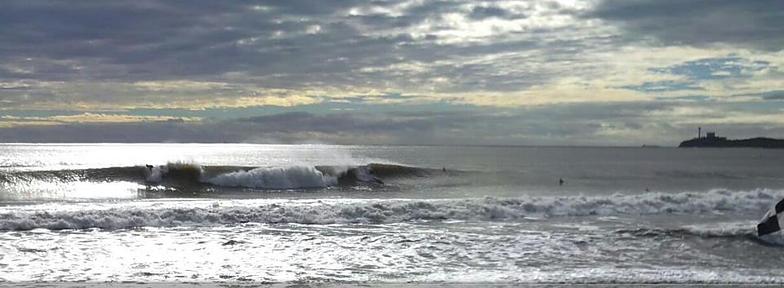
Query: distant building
x=712, y=136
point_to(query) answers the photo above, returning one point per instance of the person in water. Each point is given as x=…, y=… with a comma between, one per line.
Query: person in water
x=149, y=171
x=561, y=182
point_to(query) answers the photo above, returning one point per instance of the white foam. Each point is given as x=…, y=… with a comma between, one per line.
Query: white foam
x=726, y=229
x=276, y=178
x=711, y=230
x=138, y=214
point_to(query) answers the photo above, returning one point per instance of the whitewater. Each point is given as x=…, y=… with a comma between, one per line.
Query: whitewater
x=237, y=213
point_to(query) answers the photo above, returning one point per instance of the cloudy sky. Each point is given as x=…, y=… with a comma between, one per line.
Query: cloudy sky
x=565, y=72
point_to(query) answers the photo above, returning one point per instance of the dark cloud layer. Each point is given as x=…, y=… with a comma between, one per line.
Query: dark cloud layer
x=154, y=40
x=289, y=43
x=594, y=124
x=755, y=24
x=283, y=44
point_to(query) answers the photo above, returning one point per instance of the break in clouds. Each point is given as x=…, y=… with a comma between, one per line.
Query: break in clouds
x=398, y=72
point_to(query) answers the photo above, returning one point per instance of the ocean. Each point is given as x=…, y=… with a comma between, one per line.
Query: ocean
x=246, y=213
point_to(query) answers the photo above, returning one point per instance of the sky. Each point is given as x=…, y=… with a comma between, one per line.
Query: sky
x=463, y=72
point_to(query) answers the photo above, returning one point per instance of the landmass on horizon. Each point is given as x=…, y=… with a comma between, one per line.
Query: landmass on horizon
x=712, y=141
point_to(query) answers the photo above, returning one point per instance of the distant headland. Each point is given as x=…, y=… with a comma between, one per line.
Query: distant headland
x=712, y=141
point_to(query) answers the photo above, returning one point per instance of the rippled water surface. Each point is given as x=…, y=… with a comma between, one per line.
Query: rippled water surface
x=349, y=214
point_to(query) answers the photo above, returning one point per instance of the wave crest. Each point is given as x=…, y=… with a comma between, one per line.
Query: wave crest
x=386, y=211
x=736, y=230
x=178, y=172
x=275, y=178
x=190, y=175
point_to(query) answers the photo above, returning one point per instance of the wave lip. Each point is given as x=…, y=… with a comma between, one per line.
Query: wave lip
x=385, y=211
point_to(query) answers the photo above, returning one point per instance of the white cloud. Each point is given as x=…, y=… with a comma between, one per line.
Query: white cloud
x=86, y=118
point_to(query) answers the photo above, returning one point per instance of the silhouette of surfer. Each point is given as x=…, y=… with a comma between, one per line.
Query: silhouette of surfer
x=149, y=171
x=561, y=182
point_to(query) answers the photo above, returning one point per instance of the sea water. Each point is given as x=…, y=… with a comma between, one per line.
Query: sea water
x=391, y=214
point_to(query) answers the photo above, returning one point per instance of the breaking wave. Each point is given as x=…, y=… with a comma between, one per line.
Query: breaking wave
x=139, y=214
x=188, y=175
x=276, y=178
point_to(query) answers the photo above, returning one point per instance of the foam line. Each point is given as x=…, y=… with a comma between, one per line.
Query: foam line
x=384, y=211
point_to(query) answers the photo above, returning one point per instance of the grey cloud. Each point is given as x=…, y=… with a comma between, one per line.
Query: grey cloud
x=755, y=24
x=152, y=39
x=777, y=95
x=103, y=133
x=559, y=124
x=481, y=12
x=663, y=86
x=355, y=122
x=216, y=41
x=342, y=128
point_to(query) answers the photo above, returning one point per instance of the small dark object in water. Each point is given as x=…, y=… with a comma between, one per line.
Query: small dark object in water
x=561, y=182
x=149, y=167
x=232, y=242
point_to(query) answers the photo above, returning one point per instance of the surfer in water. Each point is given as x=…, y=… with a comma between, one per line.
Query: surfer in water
x=148, y=175
x=561, y=181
